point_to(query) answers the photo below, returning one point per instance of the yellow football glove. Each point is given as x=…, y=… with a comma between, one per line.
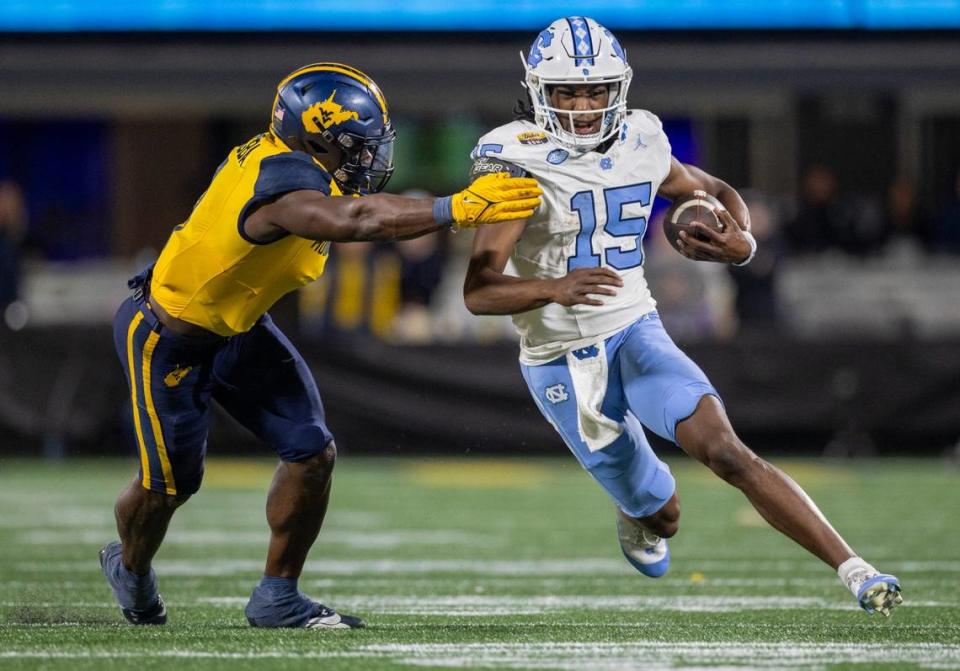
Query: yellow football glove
x=495, y=198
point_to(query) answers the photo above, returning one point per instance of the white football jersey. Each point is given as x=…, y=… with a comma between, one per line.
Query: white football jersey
x=594, y=213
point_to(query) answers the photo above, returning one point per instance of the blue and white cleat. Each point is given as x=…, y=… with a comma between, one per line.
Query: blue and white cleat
x=139, y=601
x=270, y=609
x=647, y=552
x=879, y=593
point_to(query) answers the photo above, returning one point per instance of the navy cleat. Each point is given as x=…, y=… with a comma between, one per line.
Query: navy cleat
x=139, y=601
x=879, y=593
x=646, y=552
x=157, y=614
x=273, y=608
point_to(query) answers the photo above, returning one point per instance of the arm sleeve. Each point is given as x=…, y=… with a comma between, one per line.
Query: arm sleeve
x=292, y=171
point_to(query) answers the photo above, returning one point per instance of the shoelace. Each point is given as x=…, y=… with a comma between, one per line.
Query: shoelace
x=644, y=538
x=649, y=538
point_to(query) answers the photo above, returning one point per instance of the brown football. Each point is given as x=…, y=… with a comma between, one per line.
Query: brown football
x=698, y=206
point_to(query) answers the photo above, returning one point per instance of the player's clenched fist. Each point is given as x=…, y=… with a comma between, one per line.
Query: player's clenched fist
x=579, y=287
x=492, y=199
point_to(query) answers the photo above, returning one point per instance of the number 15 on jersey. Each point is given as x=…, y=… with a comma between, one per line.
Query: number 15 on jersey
x=613, y=224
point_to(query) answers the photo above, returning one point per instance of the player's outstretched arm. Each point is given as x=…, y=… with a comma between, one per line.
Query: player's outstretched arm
x=487, y=291
x=311, y=214
x=733, y=244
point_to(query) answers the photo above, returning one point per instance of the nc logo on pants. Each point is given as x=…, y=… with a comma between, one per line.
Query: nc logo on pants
x=556, y=393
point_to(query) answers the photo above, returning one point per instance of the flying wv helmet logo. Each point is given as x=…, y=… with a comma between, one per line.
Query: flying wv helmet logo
x=320, y=116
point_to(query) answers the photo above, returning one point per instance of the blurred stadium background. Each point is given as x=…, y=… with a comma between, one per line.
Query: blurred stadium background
x=840, y=121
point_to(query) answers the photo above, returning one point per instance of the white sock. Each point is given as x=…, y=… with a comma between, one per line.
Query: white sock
x=854, y=572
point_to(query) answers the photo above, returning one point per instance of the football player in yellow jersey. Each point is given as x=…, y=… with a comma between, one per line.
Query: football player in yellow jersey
x=196, y=327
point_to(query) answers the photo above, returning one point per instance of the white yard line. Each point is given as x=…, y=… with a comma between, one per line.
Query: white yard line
x=480, y=584
x=360, y=540
x=502, y=606
x=350, y=567
x=658, y=654
x=474, y=605
x=574, y=656
x=68, y=516
x=588, y=566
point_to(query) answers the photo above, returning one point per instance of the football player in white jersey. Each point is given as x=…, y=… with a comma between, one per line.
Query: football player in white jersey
x=593, y=351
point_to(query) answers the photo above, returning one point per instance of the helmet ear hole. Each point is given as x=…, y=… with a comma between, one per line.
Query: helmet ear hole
x=317, y=148
x=330, y=155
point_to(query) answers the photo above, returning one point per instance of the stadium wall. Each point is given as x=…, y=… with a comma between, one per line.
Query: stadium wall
x=65, y=396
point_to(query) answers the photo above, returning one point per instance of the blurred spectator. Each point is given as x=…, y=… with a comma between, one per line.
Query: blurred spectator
x=385, y=291
x=826, y=220
x=907, y=227
x=421, y=270
x=819, y=215
x=13, y=227
x=756, y=299
x=358, y=293
x=452, y=322
x=947, y=228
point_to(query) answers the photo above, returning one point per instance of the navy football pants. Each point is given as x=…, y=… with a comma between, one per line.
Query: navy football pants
x=258, y=377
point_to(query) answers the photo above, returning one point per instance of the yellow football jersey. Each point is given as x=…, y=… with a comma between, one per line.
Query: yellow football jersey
x=210, y=273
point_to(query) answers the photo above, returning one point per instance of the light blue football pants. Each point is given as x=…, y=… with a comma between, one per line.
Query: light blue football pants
x=600, y=397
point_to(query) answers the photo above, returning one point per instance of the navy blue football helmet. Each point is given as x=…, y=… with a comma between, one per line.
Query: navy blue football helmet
x=338, y=115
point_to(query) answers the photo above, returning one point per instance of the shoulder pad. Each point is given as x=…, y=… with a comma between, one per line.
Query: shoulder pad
x=485, y=165
x=510, y=141
x=290, y=171
x=645, y=121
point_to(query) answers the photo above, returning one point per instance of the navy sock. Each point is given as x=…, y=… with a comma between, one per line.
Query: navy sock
x=142, y=589
x=279, y=585
x=276, y=602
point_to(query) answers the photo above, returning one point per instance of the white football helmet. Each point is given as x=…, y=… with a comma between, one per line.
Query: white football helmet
x=577, y=50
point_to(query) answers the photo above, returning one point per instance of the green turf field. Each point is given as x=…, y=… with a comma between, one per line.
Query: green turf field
x=463, y=563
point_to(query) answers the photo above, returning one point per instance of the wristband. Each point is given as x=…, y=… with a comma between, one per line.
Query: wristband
x=753, y=248
x=443, y=211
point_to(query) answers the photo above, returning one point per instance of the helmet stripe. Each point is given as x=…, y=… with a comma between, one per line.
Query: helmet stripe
x=343, y=70
x=582, y=40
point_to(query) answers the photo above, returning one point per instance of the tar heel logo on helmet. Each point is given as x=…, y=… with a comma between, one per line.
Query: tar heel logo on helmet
x=544, y=39
x=556, y=393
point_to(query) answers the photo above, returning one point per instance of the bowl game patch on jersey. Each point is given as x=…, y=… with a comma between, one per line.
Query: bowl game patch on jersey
x=532, y=137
